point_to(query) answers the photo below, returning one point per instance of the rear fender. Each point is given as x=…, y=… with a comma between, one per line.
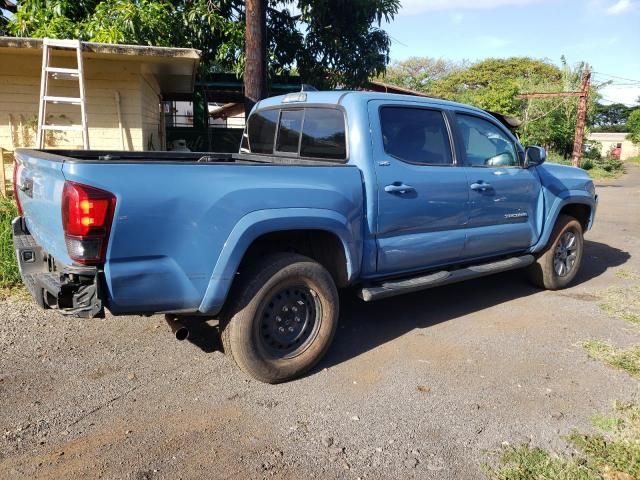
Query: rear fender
x=261, y=222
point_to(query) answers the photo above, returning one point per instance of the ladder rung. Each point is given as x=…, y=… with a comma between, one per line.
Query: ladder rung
x=62, y=127
x=56, y=43
x=72, y=100
x=63, y=73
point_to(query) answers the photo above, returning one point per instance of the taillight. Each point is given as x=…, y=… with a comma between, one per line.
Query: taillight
x=87, y=213
x=16, y=176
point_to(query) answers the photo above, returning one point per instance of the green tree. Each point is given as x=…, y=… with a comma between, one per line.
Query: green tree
x=611, y=118
x=328, y=49
x=492, y=71
x=633, y=126
x=494, y=84
x=419, y=73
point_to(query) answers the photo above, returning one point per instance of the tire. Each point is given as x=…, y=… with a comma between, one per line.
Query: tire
x=282, y=316
x=559, y=262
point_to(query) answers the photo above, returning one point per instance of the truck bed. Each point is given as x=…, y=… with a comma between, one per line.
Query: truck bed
x=182, y=219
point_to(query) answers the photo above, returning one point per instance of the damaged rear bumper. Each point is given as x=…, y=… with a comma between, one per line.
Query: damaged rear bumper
x=73, y=290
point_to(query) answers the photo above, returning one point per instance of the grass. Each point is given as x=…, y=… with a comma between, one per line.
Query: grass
x=597, y=169
x=9, y=274
x=622, y=303
x=635, y=160
x=627, y=360
x=597, y=173
x=627, y=274
x=612, y=452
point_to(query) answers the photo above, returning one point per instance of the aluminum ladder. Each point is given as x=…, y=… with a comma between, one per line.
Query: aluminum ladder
x=57, y=73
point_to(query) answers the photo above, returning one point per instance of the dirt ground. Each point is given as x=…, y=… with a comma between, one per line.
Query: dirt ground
x=421, y=386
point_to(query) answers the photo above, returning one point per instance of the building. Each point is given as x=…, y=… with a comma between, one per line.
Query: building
x=610, y=141
x=125, y=88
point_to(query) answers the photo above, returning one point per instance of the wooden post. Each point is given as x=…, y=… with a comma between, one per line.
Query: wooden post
x=3, y=179
x=255, y=70
x=582, y=115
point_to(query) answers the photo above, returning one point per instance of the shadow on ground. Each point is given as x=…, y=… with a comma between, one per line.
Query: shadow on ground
x=364, y=326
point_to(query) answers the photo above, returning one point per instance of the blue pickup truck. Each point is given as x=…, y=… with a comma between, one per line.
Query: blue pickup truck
x=385, y=194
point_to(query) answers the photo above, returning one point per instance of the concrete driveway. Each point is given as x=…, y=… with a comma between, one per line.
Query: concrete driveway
x=421, y=386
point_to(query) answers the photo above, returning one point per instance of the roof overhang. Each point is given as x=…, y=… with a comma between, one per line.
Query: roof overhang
x=174, y=68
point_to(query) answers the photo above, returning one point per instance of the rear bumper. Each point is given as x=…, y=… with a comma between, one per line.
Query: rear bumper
x=72, y=290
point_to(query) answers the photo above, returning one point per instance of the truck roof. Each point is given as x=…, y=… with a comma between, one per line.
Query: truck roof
x=339, y=97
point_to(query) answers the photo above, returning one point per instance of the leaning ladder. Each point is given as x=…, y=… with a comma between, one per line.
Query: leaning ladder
x=57, y=73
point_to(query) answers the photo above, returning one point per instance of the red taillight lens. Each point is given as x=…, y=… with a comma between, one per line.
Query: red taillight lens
x=16, y=177
x=87, y=213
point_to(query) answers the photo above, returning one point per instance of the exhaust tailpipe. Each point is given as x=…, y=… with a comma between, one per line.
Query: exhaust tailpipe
x=179, y=329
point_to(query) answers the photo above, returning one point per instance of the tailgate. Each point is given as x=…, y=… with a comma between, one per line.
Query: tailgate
x=39, y=183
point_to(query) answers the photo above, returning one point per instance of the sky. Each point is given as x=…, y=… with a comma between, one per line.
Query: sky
x=604, y=33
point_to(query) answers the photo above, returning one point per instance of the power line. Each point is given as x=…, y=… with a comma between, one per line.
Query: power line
x=620, y=78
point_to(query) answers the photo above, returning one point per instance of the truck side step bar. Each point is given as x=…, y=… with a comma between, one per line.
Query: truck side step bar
x=390, y=288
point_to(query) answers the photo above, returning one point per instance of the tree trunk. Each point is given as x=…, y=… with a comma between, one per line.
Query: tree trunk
x=255, y=69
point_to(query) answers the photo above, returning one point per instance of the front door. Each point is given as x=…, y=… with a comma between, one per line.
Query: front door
x=422, y=194
x=504, y=197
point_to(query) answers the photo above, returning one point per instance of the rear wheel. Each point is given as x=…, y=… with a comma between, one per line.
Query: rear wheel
x=557, y=266
x=282, y=317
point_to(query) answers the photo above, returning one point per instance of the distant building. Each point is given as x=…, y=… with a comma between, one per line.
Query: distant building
x=611, y=141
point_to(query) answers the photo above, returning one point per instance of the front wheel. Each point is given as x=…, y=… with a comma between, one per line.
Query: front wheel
x=282, y=317
x=561, y=259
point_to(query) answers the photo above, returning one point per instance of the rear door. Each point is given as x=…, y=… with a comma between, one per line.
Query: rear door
x=504, y=196
x=422, y=194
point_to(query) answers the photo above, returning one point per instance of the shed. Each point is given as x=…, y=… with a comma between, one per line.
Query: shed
x=131, y=79
x=611, y=140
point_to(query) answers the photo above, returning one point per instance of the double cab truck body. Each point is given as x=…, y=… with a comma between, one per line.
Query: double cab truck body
x=384, y=193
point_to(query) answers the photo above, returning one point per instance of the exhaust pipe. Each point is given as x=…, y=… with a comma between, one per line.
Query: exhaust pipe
x=179, y=329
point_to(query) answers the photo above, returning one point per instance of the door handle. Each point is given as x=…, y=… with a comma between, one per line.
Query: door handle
x=481, y=186
x=398, y=187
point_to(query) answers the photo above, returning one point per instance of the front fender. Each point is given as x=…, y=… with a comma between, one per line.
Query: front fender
x=567, y=197
x=261, y=222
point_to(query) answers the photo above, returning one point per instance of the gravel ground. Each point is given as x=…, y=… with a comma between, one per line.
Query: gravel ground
x=421, y=386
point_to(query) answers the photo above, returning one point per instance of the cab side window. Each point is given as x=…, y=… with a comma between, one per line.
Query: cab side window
x=416, y=135
x=485, y=144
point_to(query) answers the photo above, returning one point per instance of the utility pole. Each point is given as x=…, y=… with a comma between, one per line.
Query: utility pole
x=582, y=115
x=255, y=69
x=583, y=96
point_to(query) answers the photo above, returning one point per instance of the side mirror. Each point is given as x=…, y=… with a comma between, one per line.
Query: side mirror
x=534, y=156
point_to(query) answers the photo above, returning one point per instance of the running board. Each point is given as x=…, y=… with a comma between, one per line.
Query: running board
x=391, y=288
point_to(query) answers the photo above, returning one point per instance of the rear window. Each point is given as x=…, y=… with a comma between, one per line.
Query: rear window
x=262, y=131
x=289, y=131
x=323, y=134
x=313, y=132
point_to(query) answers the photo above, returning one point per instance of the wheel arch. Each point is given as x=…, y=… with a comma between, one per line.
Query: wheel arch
x=578, y=206
x=336, y=244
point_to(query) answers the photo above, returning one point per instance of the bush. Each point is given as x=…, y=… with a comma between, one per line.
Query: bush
x=9, y=274
x=592, y=150
x=554, y=157
x=609, y=164
x=587, y=164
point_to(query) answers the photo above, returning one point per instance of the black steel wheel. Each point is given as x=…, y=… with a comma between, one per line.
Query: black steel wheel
x=290, y=320
x=281, y=318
